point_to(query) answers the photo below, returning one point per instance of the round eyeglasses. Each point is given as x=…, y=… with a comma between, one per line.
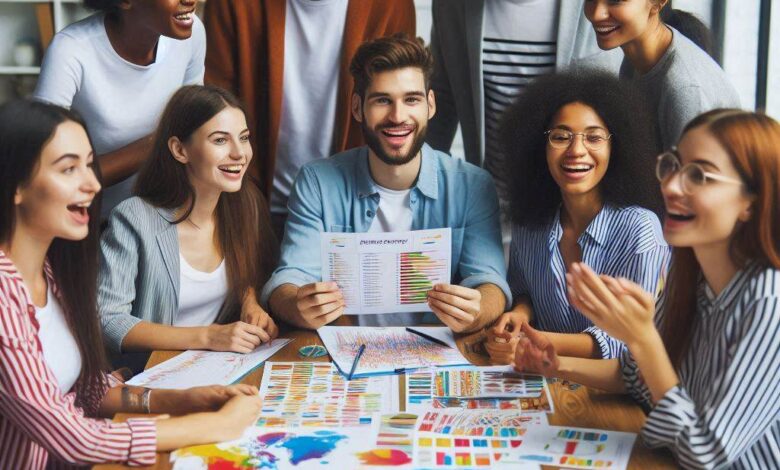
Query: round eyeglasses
x=594, y=139
x=692, y=176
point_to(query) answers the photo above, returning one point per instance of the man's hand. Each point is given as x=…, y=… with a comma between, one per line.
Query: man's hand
x=456, y=306
x=319, y=303
x=535, y=353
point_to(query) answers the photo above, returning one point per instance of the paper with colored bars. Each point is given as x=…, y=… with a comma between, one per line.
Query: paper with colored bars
x=389, y=350
x=315, y=394
x=473, y=387
x=199, y=368
x=386, y=272
x=473, y=438
x=578, y=448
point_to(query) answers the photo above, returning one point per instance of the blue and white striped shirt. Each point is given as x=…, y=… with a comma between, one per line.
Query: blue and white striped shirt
x=725, y=412
x=620, y=242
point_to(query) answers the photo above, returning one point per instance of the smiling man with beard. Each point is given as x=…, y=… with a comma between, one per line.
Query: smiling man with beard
x=396, y=183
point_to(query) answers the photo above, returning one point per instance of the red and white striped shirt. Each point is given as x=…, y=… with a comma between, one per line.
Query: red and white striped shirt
x=36, y=418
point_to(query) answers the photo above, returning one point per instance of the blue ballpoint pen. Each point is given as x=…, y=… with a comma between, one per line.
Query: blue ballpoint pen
x=357, y=359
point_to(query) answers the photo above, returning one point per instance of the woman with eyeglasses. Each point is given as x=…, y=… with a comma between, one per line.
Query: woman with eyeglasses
x=704, y=360
x=579, y=151
x=662, y=59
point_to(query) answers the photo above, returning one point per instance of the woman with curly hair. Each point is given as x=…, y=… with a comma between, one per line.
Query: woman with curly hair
x=579, y=151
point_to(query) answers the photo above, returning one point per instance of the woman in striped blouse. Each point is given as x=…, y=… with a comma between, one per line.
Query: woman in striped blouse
x=581, y=150
x=51, y=353
x=709, y=373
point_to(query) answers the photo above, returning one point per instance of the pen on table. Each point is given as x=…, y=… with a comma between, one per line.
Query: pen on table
x=361, y=349
x=427, y=336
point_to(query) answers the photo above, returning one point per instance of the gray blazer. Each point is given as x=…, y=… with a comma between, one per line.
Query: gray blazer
x=456, y=43
x=139, y=269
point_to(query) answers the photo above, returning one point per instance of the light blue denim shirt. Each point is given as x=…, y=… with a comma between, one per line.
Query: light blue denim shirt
x=337, y=194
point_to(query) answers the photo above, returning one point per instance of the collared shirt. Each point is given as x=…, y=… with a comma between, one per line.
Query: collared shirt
x=36, y=417
x=620, y=242
x=725, y=412
x=337, y=194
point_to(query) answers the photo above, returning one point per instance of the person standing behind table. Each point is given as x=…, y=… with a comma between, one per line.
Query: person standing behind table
x=670, y=68
x=181, y=262
x=288, y=62
x=118, y=68
x=703, y=359
x=397, y=183
x=581, y=152
x=497, y=49
x=56, y=399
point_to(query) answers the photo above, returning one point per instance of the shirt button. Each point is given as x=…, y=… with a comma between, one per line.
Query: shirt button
x=369, y=213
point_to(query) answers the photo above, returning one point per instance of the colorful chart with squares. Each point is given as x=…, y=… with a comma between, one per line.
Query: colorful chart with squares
x=578, y=448
x=458, y=452
x=483, y=423
x=423, y=391
x=315, y=394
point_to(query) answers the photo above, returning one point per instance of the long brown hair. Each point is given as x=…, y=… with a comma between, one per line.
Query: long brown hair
x=752, y=141
x=243, y=223
x=25, y=129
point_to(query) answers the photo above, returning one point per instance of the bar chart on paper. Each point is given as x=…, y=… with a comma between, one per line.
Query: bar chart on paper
x=387, y=272
x=418, y=272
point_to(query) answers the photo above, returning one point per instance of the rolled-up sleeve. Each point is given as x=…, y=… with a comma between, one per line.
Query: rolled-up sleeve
x=482, y=254
x=300, y=262
x=31, y=399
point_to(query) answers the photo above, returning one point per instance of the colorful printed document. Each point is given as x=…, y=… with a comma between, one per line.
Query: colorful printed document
x=478, y=423
x=388, y=350
x=473, y=439
x=475, y=387
x=198, y=368
x=387, y=272
x=315, y=394
x=578, y=448
x=280, y=449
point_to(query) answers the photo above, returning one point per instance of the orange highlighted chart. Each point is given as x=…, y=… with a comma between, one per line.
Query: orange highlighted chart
x=387, y=272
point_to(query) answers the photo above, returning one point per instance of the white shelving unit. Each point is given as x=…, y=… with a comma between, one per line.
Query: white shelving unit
x=34, y=21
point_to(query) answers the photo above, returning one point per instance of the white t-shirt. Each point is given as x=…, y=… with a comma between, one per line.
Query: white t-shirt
x=519, y=43
x=313, y=37
x=119, y=101
x=60, y=350
x=200, y=294
x=394, y=213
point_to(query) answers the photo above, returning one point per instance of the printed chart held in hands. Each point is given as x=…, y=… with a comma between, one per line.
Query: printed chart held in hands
x=387, y=272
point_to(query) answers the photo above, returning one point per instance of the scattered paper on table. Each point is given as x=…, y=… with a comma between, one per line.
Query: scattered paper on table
x=198, y=368
x=433, y=387
x=280, y=449
x=387, y=272
x=473, y=438
x=316, y=394
x=578, y=448
x=443, y=333
x=480, y=423
x=388, y=350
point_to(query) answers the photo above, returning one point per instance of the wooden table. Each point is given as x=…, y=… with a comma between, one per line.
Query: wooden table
x=581, y=407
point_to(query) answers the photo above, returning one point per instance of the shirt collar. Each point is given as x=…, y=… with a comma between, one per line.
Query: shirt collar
x=592, y=230
x=733, y=288
x=427, y=181
x=601, y=220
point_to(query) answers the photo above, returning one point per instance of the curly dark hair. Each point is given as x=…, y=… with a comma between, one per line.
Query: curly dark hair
x=630, y=177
